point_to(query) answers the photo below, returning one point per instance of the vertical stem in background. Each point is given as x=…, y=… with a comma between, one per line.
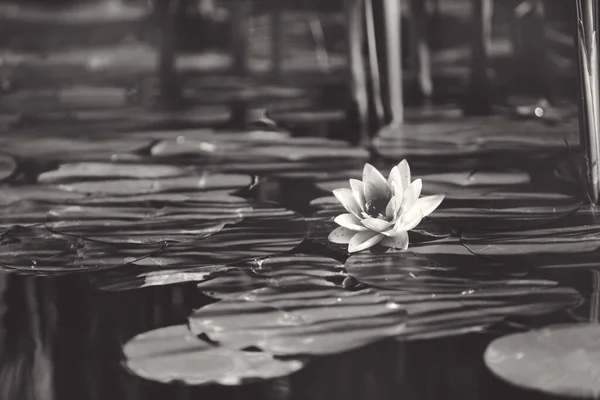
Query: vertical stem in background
x=354, y=15
x=391, y=9
x=595, y=298
x=239, y=36
x=478, y=98
x=420, y=54
x=374, y=62
x=167, y=71
x=587, y=49
x=277, y=40
x=318, y=36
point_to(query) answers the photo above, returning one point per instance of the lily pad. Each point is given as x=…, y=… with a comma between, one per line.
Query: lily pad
x=174, y=354
x=46, y=194
x=302, y=156
x=277, y=271
x=37, y=250
x=265, y=231
x=96, y=170
x=436, y=316
x=449, y=292
x=565, y=242
x=453, y=184
x=300, y=320
x=140, y=186
x=68, y=149
x=560, y=360
x=153, y=222
x=473, y=137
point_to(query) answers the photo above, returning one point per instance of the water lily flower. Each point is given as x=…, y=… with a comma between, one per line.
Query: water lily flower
x=381, y=211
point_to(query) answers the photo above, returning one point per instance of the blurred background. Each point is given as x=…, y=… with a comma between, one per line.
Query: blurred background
x=238, y=58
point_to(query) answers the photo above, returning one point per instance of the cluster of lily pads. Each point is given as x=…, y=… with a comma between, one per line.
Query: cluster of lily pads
x=146, y=211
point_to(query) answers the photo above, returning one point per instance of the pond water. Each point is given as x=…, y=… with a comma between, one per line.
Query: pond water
x=191, y=262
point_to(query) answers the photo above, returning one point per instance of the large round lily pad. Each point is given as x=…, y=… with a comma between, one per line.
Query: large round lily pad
x=561, y=360
x=300, y=320
x=174, y=354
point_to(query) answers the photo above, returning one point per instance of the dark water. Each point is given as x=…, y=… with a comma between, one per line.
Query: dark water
x=222, y=237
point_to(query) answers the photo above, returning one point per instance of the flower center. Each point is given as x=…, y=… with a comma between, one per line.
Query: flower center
x=373, y=207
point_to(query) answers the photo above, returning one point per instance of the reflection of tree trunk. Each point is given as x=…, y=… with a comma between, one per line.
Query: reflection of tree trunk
x=27, y=330
x=239, y=36
x=277, y=39
x=358, y=84
x=391, y=9
x=478, y=97
x=169, y=84
x=589, y=106
x=420, y=53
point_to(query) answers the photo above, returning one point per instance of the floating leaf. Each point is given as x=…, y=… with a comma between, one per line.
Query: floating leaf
x=452, y=292
x=173, y=221
x=96, y=170
x=35, y=250
x=569, y=241
x=457, y=184
x=68, y=149
x=174, y=354
x=265, y=231
x=561, y=360
x=301, y=156
x=300, y=320
x=47, y=194
x=474, y=137
x=140, y=186
x=431, y=315
x=298, y=269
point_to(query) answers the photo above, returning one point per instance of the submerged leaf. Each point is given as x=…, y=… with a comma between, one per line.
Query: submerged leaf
x=300, y=320
x=174, y=354
x=562, y=360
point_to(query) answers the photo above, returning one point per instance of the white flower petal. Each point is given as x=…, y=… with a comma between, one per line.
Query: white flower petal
x=358, y=191
x=410, y=196
x=409, y=220
x=390, y=209
x=345, y=197
x=400, y=174
x=399, y=241
x=349, y=221
x=364, y=240
x=428, y=204
x=341, y=235
x=375, y=185
x=376, y=224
